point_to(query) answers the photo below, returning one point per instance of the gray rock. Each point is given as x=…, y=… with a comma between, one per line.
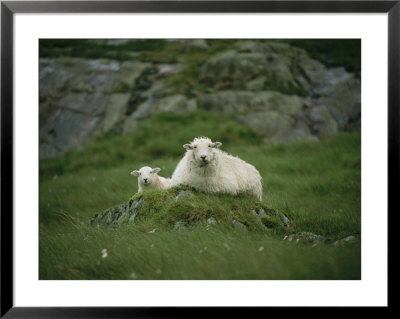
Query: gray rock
x=129, y=72
x=271, y=124
x=256, y=84
x=115, y=109
x=261, y=212
x=307, y=237
x=211, y=221
x=179, y=225
x=118, y=215
x=239, y=226
x=243, y=102
x=184, y=195
x=343, y=241
x=194, y=45
x=322, y=121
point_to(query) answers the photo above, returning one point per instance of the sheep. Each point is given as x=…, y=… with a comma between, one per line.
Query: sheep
x=148, y=179
x=206, y=168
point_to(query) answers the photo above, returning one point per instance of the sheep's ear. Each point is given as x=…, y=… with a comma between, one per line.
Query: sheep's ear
x=136, y=173
x=155, y=170
x=188, y=146
x=216, y=144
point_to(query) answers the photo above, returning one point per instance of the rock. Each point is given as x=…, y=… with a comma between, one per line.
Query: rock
x=231, y=69
x=165, y=69
x=65, y=130
x=118, y=215
x=239, y=226
x=271, y=217
x=272, y=87
x=256, y=84
x=322, y=121
x=307, y=237
x=184, y=195
x=285, y=220
x=343, y=241
x=194, y=45
x=271, y=124
x=129, y=72
x=242, y=102
x=283, y=67
x=211, y=221
x=115, y=109
x=179, y=225
x=172, y=104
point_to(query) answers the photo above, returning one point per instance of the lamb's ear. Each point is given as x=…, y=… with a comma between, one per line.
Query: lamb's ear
x=216, y=144
x=136, y=173
x=155, y=170
x=188, y=146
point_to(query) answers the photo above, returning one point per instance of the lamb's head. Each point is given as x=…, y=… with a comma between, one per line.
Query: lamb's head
x=203, y=150
x=146, y=175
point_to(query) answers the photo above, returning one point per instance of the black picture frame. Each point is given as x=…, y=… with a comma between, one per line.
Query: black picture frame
x=9, y=8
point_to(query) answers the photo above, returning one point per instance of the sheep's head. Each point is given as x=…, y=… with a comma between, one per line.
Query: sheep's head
x=203, y=150
x=146, y=175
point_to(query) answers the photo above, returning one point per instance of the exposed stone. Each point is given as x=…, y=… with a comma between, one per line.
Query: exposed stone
x=128, y=74
x=211, y=221
x=184, y=195
x=306, y=237
x=256, y=84
x=118, y=215
x=179, y=225
x=243, y=102
x=81, y=98
x=194, y=45
x=239, y=226
x=271, y=124
x=115, y=109
x=343, y=241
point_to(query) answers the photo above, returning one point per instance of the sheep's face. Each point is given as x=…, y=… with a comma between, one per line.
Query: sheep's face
x=146, y=175
x=203, y=150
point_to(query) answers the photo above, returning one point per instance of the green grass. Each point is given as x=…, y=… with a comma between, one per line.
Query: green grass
x=317, y=184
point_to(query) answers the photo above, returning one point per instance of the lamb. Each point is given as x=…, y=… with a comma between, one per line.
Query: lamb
x=148, y=179
x=208, y=169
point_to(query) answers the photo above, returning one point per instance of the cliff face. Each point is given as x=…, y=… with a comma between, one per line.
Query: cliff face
x=276, y=89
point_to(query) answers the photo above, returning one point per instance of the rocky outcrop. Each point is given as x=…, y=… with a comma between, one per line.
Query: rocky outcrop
x=81, y=98
x=272, y=87
x=281, y=66
x=333, y=105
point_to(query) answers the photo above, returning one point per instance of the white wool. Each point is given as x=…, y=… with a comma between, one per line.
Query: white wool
x=148, y=179
x=208, y=169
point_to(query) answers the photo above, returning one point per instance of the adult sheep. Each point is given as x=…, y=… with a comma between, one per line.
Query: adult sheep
x=148, y=179
x=208, y=169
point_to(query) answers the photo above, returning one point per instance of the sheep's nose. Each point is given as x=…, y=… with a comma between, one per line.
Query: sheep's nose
x=203, y=157
x=145, y=179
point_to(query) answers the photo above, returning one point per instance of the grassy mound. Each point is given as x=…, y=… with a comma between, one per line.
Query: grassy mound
x=182, y=208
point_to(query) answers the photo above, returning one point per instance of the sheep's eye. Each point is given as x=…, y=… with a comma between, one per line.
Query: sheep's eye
x=140, y=173
x=195, y=147
x=209, y=145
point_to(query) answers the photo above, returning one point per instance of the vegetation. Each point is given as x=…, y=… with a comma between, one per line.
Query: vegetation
x=316, y=184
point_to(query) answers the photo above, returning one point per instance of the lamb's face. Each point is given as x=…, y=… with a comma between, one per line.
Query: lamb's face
x=203, y=150
x=146, y=175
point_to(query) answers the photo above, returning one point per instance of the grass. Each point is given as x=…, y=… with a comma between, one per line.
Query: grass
x=317, y=184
